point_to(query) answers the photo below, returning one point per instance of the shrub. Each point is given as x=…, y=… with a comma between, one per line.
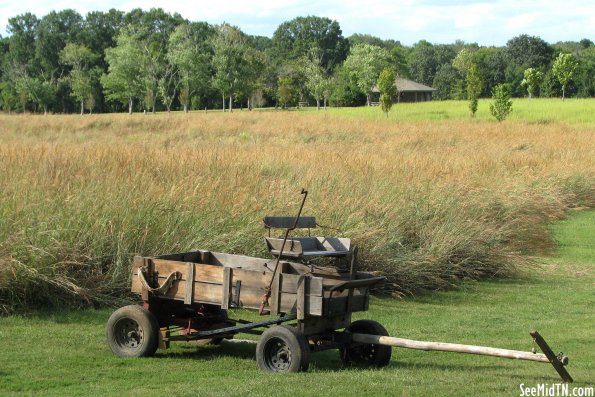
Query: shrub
x=502, y=105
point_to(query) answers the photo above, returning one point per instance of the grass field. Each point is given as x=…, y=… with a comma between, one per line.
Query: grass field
x=431, y=201
x=533, y=111
x=64, y=352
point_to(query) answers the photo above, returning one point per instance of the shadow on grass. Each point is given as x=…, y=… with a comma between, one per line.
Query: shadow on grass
x=325, y=361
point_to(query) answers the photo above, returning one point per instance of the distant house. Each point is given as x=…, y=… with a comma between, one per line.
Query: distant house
x=410, y=91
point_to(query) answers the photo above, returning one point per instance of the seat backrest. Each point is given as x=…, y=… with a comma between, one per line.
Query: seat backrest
x=287, y=222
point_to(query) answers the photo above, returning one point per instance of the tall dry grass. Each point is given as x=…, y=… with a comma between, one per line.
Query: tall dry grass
x=429, y=203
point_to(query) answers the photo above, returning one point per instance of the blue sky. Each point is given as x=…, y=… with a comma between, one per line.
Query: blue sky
x=484, y=22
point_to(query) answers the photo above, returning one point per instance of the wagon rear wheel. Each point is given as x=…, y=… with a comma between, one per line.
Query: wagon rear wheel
x=283, y=349
x=362, y=354
x=132, y=331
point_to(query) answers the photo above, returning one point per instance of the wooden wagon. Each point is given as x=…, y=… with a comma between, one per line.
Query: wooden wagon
x=186, y=296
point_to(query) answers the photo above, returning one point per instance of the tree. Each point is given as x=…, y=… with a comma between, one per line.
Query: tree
x=79, y=57
x=526, y=51
x=154, y=64
x=285, y=92
x=502, y=105
x=230, y=62
x=365, y=62
x=388, y=89
x=253, y=74
x=40, y=92
x=124, y=81
x=448, y=83
x=474, y=87
x=585, y=73
x=53, y=32
x=312, y=69
x=398, y=60
x=8, y=96
x=532, y=80
x=100, y=31
x=492, y=63
x=191, y=51
x=563, y=68
x=425, y=59
x=358, y=38
x=296, y=38
x=22, y=38
x=344, y=90
x=463, y=61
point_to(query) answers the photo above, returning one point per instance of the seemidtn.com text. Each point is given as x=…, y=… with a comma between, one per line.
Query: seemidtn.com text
x=555, y=390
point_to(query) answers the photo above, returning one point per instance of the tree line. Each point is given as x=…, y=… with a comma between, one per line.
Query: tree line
x=153, y=60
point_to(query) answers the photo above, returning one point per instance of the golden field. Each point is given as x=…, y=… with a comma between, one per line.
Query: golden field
x=429, y=202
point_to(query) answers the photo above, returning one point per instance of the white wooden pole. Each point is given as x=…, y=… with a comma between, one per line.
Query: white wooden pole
x=448, y=347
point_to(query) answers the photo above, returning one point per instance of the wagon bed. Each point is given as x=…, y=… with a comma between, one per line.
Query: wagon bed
x=226, y=280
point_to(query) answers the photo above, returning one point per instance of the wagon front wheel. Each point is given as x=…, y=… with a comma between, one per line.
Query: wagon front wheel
x=132, y=331
x=362, y=354
x=283, y=349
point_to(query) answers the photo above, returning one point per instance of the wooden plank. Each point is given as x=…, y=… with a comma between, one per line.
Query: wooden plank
x=250, y=297
x=337, y=306
x=203, y=272
x=189, y=283
x=245, y=262
x=215, y=274
x=136, y=286
x=275, y=294
x=301, y=297
x=190, y=256
x=291, y=285
x=227, y=277
x=313, y=304
x=448, y=347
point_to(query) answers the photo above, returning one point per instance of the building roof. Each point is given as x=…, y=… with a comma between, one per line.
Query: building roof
x=405, y=85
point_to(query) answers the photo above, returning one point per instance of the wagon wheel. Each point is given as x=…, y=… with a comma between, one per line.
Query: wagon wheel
x=132, y=331
x=283, y=349
x=362, y=354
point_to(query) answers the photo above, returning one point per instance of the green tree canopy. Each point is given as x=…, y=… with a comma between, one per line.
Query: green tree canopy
x=53, y=32
x=229, y=61
x=563, y=68
x=388, y=89
x=526, y=51
x=502, y=105
x=124, y=81
x=365, y=62
x=532, y=80
x=294, y=39
x=474, y=87
x=191, y=51
x=79, y=57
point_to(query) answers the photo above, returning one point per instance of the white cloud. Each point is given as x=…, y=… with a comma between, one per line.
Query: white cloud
x=485, y=22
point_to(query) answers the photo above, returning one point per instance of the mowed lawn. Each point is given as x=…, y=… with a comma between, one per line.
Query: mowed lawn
x=64, y=353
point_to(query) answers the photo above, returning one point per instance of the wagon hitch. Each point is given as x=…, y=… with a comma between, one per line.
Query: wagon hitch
x=548, y=356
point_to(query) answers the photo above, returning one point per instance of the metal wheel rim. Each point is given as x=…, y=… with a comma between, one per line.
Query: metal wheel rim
x=361, y=353
x=128, y=334
x=277, y=355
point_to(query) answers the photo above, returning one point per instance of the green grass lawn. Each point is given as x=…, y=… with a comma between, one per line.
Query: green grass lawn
x=537, y=111
x=65, y=353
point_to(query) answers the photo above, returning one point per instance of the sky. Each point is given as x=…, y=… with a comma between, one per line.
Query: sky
x=408, y=21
